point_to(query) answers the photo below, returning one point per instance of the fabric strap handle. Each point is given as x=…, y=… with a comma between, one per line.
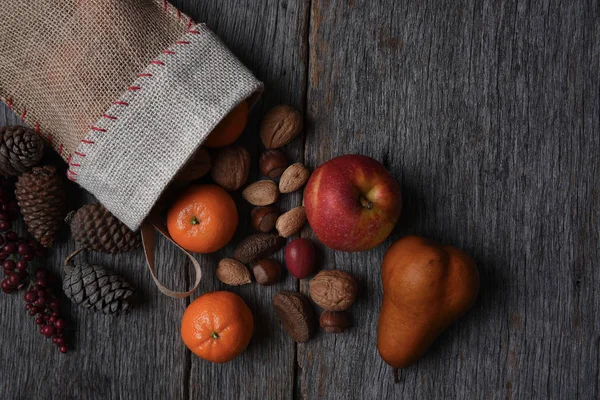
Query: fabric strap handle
x=147, y=230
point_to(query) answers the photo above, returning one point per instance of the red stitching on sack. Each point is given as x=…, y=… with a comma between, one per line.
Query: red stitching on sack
x=156, y=62
x=194, y=32
x=168, y=52
x=133, y=88
x=9, y=103
x=87, y=141
x=121, y=103
x=190, y=23
x=80, y=154
x=144, y=75
x=50, y=139
x=165, y=5
x=95, y=128
x=60, y=149
x=182, y=42
x=178, y=15
x=109, y=116
x=24, y=113
x=37, y=128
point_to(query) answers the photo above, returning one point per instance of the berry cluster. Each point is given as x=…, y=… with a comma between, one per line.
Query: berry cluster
x=43, y=303
x=16, y=254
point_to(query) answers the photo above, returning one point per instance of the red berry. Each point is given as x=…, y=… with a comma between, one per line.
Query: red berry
x=21, y=264
x=31, y=296
x=54, y=304
x=9, y=265
x=12, y=236
x=55, y=314
x=33, y=311
x=60, y=324
x=28, y=257
x=28, y=306
x=5, y=225
x=39, y=321
x=41, y=273
x=10, y=248
x=7, y=271
x=52, y=320
x=48, y=330
x=40, y=302
x=63, y=349
x=23, y=247
x=42, y=282
x=14, y=279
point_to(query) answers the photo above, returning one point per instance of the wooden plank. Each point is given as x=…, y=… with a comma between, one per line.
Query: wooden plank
x=269, y=38
x=487, y=112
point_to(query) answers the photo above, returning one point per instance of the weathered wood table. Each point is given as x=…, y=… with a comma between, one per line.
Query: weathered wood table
x=487, y=112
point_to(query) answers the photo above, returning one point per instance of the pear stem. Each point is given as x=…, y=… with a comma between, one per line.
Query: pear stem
x=396, y=379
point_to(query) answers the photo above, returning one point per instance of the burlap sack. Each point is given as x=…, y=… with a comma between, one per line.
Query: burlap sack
x=124, y=90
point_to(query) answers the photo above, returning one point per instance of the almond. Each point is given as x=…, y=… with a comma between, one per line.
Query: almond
x=280, y=126
x=232, y=272
x=261, y=193
x=291, y=222
x=293, y=178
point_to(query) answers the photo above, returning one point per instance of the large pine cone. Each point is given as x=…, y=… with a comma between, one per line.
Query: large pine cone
x=42, y=195
x=96, y=229
x=20, y=149
x=96, y=288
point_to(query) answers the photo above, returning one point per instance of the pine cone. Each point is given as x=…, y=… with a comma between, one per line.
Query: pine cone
x=41, y=195
x=96, y=229
x=20, y=149
x=97, y=288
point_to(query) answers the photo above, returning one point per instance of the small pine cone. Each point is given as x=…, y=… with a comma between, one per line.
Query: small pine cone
x=21, y=149
x=97, y=288
x=42, y=196
x=96, y=229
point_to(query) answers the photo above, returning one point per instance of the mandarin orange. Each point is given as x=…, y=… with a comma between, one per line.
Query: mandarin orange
x=217, y=326
x=202, y=219
x=230, y=128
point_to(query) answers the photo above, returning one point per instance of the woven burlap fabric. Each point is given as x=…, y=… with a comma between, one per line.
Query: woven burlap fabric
x=125, y=90
x=63, y=62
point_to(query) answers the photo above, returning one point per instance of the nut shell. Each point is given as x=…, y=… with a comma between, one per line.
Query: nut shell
x=267, y=272
x=258, y=246
x=334, y=321
x=280, y=126
x=289, y=223
x=232, y=272
x=261, y=193
x=333, y=290
x=231, y=166
x=264, y=218
x=272, y=163
x=293, y=178
x=296, y=314
x=198, y=166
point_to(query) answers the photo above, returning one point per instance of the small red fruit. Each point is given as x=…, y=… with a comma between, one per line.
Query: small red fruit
x=300, y=258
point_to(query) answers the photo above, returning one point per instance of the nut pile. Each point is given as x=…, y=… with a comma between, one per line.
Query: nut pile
x=334, y=291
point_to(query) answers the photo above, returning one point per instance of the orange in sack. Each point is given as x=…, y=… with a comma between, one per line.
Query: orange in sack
x=202, y=219
x=230, y=128
x=217, y=326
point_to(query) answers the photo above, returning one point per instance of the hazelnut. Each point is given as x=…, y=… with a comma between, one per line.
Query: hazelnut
x=334, y=321
x=280, y=126
x=264, y=218
x=333, y=290
x=267, y=271
x=272, y=163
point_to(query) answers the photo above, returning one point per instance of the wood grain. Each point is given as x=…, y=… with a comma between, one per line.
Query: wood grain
x=487, y=113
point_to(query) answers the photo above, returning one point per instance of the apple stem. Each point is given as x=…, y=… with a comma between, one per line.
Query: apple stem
x=365, y=203
x=396, y=379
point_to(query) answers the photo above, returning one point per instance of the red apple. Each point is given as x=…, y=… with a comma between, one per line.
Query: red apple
x=352, y=203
